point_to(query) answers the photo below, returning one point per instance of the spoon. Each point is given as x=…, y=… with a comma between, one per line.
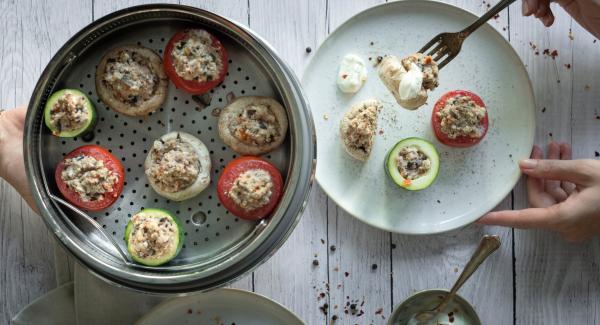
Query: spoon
x=486, y=247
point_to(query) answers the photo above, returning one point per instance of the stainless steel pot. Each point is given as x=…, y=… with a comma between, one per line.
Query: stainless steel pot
x=219, y=248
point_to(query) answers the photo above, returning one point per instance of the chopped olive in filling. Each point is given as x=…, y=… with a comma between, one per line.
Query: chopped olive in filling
x=427, y=65
x=195, y=57
x=361, y=127
x=461, y=116
x=88, y=177
x=412, y=163
x=175, y=166
x=255, y=125
x=69, y=113
x=252, y=189
x=152, y=237
x=130, y=77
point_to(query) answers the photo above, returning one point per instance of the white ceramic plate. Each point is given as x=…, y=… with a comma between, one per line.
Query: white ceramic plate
x=222, y=306
x=471, y=181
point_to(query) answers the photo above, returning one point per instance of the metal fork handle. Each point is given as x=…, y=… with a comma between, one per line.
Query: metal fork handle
x=487, y=16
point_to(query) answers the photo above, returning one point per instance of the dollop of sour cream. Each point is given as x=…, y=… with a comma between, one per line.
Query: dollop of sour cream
x=352, y=74
x=411, y=83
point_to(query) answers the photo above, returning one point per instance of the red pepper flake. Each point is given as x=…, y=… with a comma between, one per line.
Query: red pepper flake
x=428, y=59
x=406, y=182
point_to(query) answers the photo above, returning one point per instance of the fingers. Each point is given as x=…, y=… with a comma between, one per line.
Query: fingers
x=529, y=7
x=566, y=154
x=543, y=8
x=536, y=194
x=523, y=219
x=564, y=170
x=553, y=187
x=548, y=19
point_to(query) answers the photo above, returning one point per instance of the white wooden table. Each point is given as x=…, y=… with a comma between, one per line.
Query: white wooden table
x=536, y=277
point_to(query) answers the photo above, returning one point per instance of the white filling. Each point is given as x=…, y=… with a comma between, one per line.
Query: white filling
x=411, y=83
x=352, y=74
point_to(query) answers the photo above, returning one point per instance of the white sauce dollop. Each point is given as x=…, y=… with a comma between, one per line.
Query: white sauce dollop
x=352, y=74
x=411, y=83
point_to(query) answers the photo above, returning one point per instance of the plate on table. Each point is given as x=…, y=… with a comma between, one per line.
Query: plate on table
x=222, y=306
x=471, y=181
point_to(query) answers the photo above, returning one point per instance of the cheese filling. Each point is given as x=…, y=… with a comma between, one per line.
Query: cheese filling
x=411, y=83
x=252, y=189
x=412, y=163
x=195, y=58
x=461, y=117
x=175, y=166
x=88, y=177
x=255, y=125
x=427, y=66
x=152, y=237
x=69, y=113
x=130, y=77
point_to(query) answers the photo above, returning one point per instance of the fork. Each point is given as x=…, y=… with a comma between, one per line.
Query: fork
x=448, y=44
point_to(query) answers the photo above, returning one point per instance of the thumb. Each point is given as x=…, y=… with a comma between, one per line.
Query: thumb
x=575, y=171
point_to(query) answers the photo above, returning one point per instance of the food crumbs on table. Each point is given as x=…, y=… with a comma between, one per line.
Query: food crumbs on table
x=571, y=37
x=381, y=132
x=308, y=49
x=379, y=59
x=325, y=116
x=332, y=248
x=189, y=311
x=596, y=154
x=315, y=262
x=346, y=274
x=455, y=270
x=379, y=311
x=336, y=269
x=550, y=134
x=568, y=66
x=324, y=308
x=438, y=201
x=587, y=87
x=543, y=109
x=393, y=246
x=334, y=317
x=322, y=241
x=374, y=267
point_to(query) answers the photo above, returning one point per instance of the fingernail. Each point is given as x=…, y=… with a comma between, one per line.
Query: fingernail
x=528, y=163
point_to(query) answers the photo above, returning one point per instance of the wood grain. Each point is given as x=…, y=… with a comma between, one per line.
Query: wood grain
x=289, y=276
x=557, y=282
x=32, y=33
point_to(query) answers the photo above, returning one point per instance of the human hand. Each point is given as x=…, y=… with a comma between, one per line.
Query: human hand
x=586, y=12
x=564, y=195
x=12, y=164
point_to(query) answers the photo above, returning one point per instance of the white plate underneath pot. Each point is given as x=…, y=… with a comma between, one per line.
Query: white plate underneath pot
x=471, y=181
x=222, y=306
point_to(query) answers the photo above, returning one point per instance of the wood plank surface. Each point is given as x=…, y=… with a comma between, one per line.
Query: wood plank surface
x=536, y=279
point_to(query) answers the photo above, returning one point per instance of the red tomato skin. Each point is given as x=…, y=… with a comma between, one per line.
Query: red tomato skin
x=190, y=86
x=230, y=174
x=110, y=162
x=463, y=141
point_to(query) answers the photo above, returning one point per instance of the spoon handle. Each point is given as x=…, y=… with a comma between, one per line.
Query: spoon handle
x=486, y=247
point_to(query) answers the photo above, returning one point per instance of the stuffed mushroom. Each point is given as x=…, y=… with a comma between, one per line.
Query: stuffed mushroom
x=178, y=166
x=253, y=125
x=358, y=127
x=131, y=80
x=410, y=78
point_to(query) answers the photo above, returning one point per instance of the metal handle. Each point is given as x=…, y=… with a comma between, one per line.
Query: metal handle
x=487, y=246
x=487, y=16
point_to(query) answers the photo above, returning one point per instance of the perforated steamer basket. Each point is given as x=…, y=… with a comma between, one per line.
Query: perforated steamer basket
x=218, y=247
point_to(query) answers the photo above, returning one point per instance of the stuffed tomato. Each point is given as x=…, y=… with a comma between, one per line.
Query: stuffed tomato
x=90, y=178
x=460, y=119
x=250, y=187
x=195, y=61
